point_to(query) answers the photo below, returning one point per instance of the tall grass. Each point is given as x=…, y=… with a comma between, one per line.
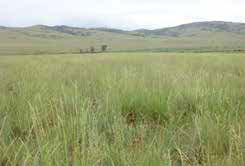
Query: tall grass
x=123, y=109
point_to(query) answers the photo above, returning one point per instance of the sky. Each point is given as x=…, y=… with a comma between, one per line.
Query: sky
x=122, y=14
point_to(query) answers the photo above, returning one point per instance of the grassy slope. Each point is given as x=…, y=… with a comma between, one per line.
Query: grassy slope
x=197, y=27
x=123, y=109
x=36, y=40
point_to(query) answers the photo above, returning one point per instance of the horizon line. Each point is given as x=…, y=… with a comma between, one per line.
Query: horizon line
x=122, y=29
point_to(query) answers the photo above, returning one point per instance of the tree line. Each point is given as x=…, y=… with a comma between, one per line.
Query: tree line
x=92, y=49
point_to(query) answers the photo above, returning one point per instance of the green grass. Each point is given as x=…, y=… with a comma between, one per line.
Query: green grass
x=123, y=109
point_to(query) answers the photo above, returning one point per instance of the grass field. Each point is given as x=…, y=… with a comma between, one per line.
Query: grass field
x=123, y=109
x=38, y=40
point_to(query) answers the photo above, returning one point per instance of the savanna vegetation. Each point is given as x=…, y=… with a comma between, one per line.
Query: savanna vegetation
x=166, y=109
x=195, y=37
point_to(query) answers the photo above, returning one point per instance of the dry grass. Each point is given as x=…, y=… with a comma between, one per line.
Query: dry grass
x=122, y=109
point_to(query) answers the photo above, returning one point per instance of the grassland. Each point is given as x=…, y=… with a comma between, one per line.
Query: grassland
x=61, y=39
x=123, y=109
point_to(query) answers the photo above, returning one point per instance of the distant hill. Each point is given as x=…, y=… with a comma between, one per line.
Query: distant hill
x=199, y=36
x=62, y=29
x=199, y=27
x=2, y=27
x=113, y=30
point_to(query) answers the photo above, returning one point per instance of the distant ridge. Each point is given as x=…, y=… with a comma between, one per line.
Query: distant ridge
x=198, y=36
x=196, y=27
x=2, y=27
x=181, y=30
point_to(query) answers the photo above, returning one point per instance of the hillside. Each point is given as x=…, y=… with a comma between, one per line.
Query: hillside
x=200, y=36
x=193, y=29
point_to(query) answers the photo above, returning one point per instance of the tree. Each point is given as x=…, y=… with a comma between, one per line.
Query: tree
x=103, y=48
x=92, y=49
x=81, y=51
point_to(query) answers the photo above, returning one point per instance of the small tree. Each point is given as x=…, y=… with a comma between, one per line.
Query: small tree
x=92, y=49
x=81, y=51
x=103, y=48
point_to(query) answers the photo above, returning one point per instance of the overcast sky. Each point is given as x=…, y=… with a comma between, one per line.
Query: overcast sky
x=124, y=14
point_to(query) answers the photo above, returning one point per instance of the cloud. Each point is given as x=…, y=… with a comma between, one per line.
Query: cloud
x=126, y=14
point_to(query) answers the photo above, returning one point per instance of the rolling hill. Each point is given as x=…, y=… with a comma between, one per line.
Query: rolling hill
x=196, y=28
x=199, y=36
